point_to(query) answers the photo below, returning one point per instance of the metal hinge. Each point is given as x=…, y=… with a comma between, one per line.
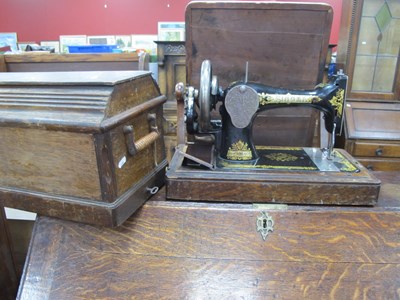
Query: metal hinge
x=270, y=206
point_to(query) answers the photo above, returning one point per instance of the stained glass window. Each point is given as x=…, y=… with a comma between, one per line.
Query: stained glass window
x=378, y=47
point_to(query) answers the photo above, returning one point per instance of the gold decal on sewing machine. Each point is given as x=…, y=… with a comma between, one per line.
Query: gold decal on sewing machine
x=271, y=167
x=239, y=151
x=337, y=102
x=281, y=157
x=266, y=99
x=259, y=147
x=265, y=224
x=347, y=165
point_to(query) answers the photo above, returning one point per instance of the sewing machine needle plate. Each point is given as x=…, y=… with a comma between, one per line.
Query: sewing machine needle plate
x=336, y=163
x=317, y=180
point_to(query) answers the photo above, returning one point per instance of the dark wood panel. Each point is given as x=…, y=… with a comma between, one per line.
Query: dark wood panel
x=373, y=120
x=142, y=163
x=267, y=35
x=51, y=162
x=286, y=127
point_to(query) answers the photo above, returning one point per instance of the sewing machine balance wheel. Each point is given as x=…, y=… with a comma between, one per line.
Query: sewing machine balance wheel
x=207, y=95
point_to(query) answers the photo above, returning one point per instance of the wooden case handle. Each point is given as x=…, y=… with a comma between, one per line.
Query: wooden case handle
x=144, y=142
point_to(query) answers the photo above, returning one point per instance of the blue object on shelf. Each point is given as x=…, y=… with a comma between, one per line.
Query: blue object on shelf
x=91, y=48
x=331, y=69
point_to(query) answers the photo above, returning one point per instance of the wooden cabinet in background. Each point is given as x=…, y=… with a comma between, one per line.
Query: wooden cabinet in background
x=373, y=134
x=171, y=70
x=368, y=51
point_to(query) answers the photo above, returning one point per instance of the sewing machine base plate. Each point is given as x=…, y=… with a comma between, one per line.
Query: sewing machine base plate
x=271, y=185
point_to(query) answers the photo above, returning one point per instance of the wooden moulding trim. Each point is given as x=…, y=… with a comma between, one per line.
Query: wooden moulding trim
x=187, y=190
x=53, y=57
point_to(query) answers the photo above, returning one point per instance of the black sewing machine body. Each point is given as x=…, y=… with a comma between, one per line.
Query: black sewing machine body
x=244, y=100
x=284, y=174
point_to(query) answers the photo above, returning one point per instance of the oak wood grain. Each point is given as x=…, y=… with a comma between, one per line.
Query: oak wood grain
x=139, y=90
x=61, y=163
x=140, y=164
x=133, y=277
x=189, y=250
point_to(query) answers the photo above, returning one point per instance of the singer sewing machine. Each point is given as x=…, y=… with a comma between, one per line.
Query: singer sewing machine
x=234, y=119
x=238, y=170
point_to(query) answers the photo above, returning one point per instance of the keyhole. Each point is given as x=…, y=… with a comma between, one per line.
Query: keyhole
x=264, y=224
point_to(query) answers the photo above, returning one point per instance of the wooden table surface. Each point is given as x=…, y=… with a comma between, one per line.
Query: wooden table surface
x=174, y=250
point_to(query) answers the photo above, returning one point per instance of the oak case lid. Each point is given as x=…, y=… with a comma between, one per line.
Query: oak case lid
x=285, y=43
x=69, y=78
x=74, y=101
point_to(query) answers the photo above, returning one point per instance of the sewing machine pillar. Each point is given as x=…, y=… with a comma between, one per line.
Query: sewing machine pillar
x=236, y=143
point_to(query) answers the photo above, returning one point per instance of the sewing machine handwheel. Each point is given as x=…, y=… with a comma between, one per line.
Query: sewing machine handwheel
x=205, y=96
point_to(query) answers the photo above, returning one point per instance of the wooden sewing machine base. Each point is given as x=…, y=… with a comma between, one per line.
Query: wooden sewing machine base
x=264, y=185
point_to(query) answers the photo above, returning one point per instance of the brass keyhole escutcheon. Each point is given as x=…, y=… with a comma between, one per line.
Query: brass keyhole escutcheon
x=265, y=224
